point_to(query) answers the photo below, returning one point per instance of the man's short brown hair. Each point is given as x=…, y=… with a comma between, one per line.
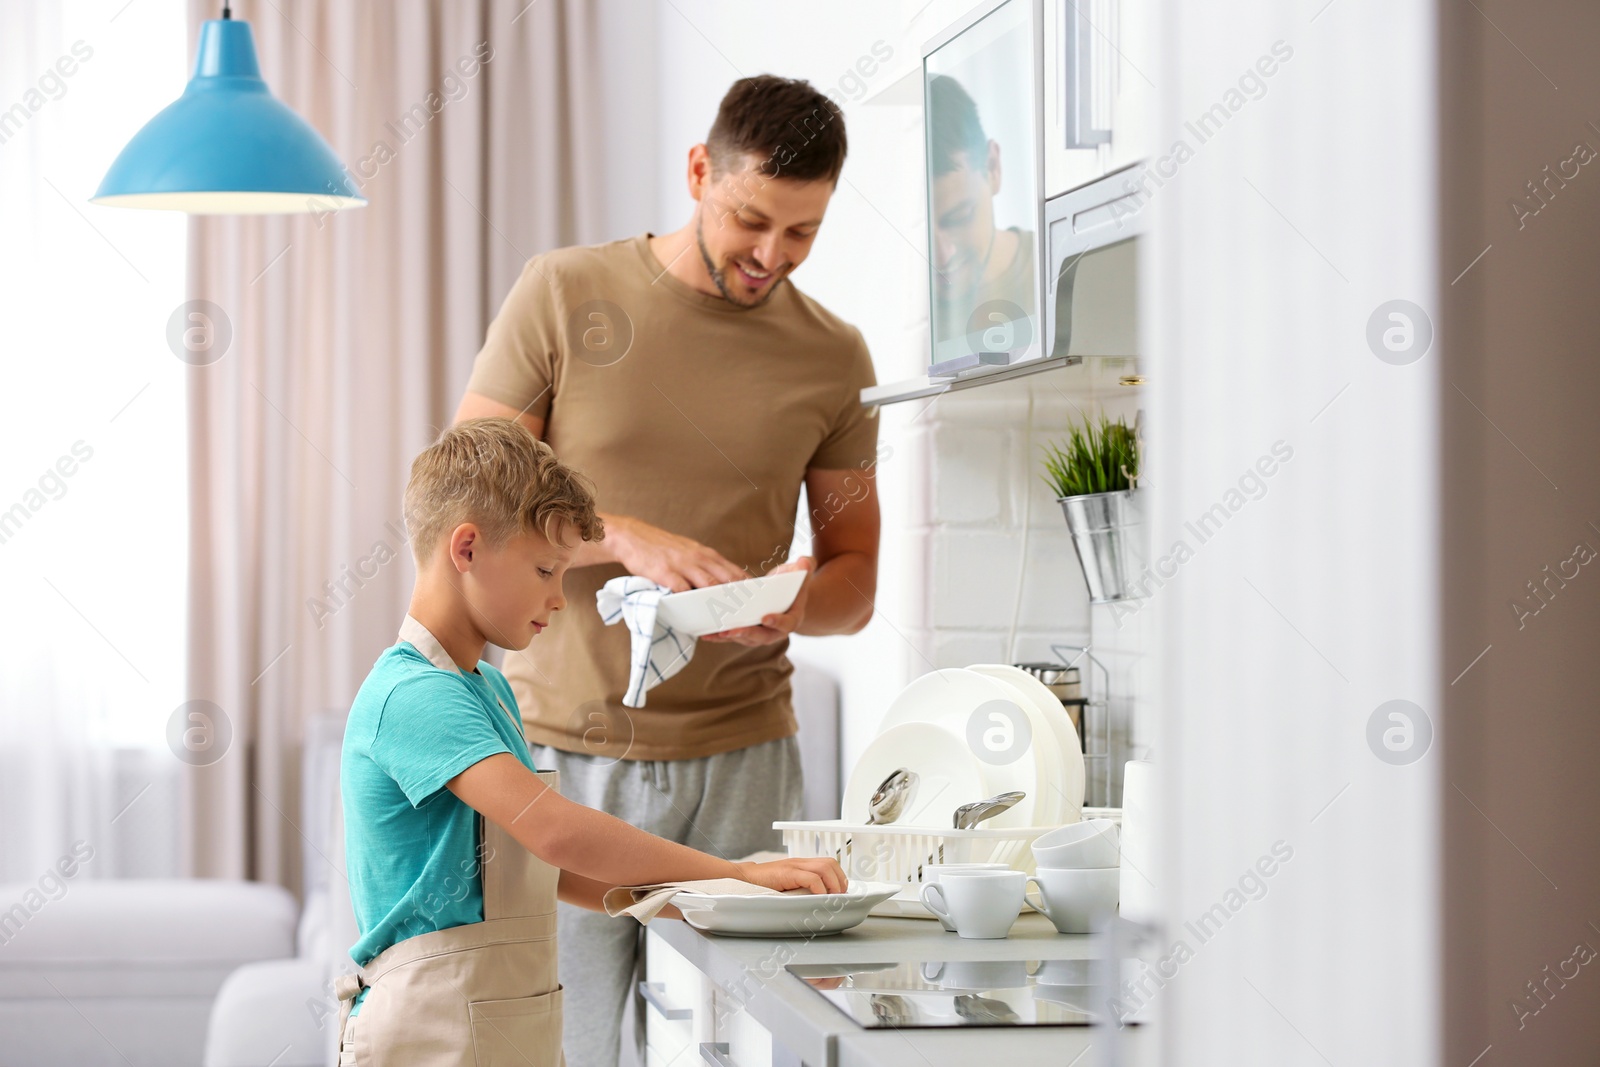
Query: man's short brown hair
x=495, y=474
x=794, y=131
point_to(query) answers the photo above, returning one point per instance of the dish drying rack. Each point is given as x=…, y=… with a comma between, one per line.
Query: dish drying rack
x=890, y=853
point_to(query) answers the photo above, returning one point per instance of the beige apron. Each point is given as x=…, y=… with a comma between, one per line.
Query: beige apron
x=480, y=995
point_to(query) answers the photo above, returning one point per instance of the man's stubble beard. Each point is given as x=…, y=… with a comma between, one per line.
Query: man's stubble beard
x=717, y=275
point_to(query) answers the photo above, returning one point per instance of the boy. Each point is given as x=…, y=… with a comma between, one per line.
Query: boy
x=456, y=848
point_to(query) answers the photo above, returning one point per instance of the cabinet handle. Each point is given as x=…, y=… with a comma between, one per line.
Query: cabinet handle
x=651, y=992
x=716, y=1054
x=1077, y=77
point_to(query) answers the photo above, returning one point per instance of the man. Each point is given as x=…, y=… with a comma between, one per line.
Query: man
x=699, y=390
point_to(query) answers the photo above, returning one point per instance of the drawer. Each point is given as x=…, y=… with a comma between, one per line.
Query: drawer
x=675, y=1002
x=749, y=1043
x=689, y=1056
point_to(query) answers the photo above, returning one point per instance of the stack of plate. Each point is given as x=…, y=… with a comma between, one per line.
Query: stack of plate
x=792, y=914
x=970, y=733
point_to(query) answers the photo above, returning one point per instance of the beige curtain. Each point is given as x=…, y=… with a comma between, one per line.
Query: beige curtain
x=472, y=130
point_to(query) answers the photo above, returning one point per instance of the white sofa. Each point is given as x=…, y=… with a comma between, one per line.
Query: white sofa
x=120, y=973
x=283, y=1012
x=127, y=973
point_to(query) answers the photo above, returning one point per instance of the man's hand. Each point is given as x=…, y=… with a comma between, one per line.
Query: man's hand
x=774, y=627
x=819, y=874
x=679, y=563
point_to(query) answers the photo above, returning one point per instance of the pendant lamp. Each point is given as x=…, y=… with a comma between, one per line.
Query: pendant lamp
x=227, y=146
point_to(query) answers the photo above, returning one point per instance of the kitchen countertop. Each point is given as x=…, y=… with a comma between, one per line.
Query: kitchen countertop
x=751, y=971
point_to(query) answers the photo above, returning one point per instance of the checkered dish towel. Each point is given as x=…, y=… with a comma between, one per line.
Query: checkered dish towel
x=659, y=652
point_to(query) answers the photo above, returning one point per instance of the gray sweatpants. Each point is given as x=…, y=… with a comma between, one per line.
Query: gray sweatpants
x=724, y=804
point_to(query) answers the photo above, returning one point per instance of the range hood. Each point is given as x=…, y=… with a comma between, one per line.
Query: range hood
x=1092, y=268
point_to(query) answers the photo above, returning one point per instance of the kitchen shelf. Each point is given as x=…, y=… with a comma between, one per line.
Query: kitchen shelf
x=916, y=388
x=1099, y=374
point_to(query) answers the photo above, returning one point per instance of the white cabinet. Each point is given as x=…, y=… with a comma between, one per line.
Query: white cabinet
x=1132, y=69
x=690, y=1022
x=1098, y=93
x=749, y=1043
x=678, y=1014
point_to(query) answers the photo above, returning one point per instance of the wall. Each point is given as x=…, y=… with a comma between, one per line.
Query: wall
x=992, y=598
x=1300, y=846
x=867, y=264
x=1003, y=583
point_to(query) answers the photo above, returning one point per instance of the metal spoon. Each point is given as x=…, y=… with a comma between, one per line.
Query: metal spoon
x=969, y=816
x=983, y=1010
x=893, y=1010
x=887, y=804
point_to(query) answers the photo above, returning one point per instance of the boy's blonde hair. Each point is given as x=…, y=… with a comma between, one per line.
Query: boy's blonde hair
x=496, y=474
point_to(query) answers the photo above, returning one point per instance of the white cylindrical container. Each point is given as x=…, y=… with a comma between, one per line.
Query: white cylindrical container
x=1140, y=896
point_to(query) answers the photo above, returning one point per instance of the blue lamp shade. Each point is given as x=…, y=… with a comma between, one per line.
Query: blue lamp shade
x=227, y=146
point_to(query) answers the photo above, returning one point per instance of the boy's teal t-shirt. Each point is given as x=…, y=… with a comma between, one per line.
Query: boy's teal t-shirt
x=412, y=847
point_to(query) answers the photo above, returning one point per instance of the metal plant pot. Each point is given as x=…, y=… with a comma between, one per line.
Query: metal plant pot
x=1108, y=534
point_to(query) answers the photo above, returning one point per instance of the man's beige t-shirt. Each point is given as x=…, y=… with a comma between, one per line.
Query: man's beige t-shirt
x=690, y=414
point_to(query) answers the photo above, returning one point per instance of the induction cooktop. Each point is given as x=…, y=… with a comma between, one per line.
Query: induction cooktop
x=916, y=995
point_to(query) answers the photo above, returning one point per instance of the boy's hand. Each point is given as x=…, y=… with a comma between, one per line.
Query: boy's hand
x=818, y=874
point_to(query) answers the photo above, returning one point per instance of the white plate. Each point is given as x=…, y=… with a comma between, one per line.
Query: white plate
x=783, y=915
x=949, y=698
x=948, y=774
x=1050, y=766
x=715, y=608
x=1068, y=791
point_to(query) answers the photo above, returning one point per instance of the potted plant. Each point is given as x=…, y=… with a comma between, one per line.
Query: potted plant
x=1095, y=475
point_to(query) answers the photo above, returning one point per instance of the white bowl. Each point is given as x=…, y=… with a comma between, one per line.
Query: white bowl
x=1090, y=844
x=715, y=608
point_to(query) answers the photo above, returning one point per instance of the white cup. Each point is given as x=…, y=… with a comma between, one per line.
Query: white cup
x=979, y=904
x=1072, y=897
x=932, y=872
x=1091, y=843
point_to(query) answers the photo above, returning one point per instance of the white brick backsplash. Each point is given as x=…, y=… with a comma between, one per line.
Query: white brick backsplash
x=959, y=648
x=913, y=461
x=1046, y=512
x=1034, y=647
x=919, y=600
x=1054, y=596
x=971, y=475
x=1126, y=627
x=974, y=578
x=1000, y=404
x=918, y=645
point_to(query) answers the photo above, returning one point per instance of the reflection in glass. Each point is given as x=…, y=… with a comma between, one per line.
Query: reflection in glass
x=982, y=187
x=964, y=993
